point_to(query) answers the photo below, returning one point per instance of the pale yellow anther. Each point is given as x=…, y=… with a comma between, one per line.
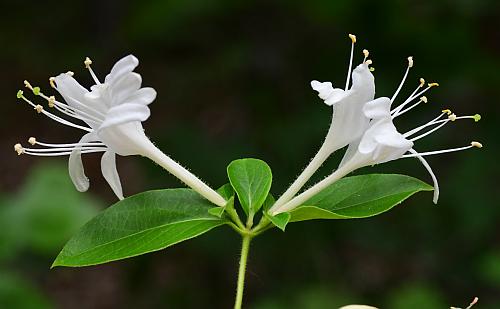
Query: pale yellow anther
x=476, y=144
x=366, y=52
x=52, y=82
x=70, y=73
x=32, y=140
x=410, y=62
x=52, y=101
x=423, y=99
x=369, y=62
x=446, y=111
x=19, y=149
x=422, y=82
x=87, y=62
x=433, y=84
x=452, y=117
x=352, y=37
x=38, y=108
x=28, y=85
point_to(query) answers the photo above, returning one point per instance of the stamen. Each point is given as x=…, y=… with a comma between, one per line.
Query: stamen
x=19, y=94
x=372, y=69
x=87, y=63
x=38, y=108
x=63, y=149
x=368, y=62
x=410, y=64
x=452, y=117
x=446, y=111
x=401, y=112
x=431, y=172
x=366, y=53
x=62, y=153
x=51, y=101
x=476, y=117
x=353, y=39
x=476, y=144
x=32, y=141
x=422, y=82
x=433, y=85
x=52, y=82
x=28, y=85
x=430, y=123
x=19, y=149
x=430, y=153
x=91, y=144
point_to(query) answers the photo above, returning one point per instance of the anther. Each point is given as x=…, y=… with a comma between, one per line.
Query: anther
x=38, y=108
x=19, y=149
x=410, y=61
x=476, y=144
x=87, y=62
x=372, y=69
x=71, y=73
x=423, y=99
x=352, y=37
x=366, y=52
x=433, y=84
x=52, y=82
x=51, y=101
x=20, y=94
x=446, y=111
x=28, y=85
x=452, y=117
x=476, y=117
x=369, y=61
x=32, y=140
x=422, y=82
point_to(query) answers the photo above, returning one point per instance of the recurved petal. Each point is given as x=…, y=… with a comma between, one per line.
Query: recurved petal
x=75, y=166
x=378, y=108
x=69, y=88
x=324, y=89
x=124, y=113
x=123, y=66
x=124, y=87
x=143, y=96
x=110, y=173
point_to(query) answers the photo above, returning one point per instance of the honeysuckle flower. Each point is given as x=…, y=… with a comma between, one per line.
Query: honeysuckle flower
x=348, y=122
x=357, y=307
x=382, y=142
x=111, y=114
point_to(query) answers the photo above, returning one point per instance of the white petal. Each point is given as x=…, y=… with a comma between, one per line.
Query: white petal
x=378, y=108
x=124, y=113
x=68, y=87
x=336, y=96
x=123, y=66
x=357, y=307
x=324, y=89
x=108, y=168
x=142, y=96
x=124, y=87
x=75, y=166
x=433, y=176
x=362, y=78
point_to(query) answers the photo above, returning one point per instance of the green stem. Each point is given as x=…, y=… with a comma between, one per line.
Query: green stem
x=245, y=246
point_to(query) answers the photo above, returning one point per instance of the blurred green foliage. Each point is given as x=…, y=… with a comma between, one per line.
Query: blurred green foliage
x=233, y=81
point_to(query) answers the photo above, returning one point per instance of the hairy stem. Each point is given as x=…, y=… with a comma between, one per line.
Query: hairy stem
x=245, y=247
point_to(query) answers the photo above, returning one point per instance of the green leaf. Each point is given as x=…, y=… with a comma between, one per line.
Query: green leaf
x=280, y=220
x=359, y=197
x=251, y=179
x=142, y=223
x=226, y=191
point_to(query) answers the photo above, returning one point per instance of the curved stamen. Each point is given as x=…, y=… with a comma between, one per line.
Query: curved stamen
x=353, y=39
x=62, y=149
x=40, y=109
x=422, y=99
x=366, y=53
x=430, y=123
x=431, y=131
x=33, y=141
x=57, y=154
x=412, y=96
x=410, y=64
x=430, y=153
x=87, y=63
x=72, y=111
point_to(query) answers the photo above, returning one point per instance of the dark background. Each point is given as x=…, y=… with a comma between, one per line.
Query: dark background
x=233, y=81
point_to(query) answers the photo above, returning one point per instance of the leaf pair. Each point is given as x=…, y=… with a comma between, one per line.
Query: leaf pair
x=154, y=220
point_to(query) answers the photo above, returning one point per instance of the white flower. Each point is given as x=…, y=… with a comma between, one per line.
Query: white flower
x=112, y=113
x=382, y=142
x=348, y=122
